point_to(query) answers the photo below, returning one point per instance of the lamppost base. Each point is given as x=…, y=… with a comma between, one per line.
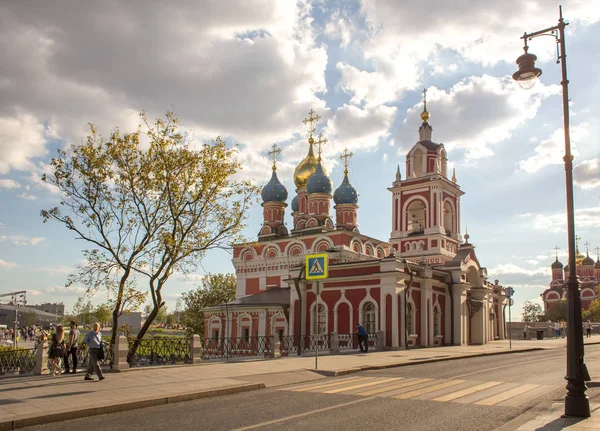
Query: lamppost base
x=577, y=406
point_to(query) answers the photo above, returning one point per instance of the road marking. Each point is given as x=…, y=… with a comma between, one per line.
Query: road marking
x=428, y=389
x=506, y=395
x=468, y=391
x=326, y=385
x=553, y=358
x=362, y=385
x=263, y=424
x=393, y=387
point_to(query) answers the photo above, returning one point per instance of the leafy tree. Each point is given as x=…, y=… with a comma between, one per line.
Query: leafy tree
x=83, y=311
x=171, y=319
x=149, y=210
x=593, y=311
x=557, y=311
x=103, y=313
x=531, y=312
x=215, y=289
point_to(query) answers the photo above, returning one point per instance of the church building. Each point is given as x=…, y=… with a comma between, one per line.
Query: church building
x=423, y=286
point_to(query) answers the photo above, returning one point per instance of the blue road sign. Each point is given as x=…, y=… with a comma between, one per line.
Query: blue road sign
x=316, y=266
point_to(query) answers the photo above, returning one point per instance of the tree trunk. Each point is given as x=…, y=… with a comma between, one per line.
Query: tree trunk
x=117, y=310
x=143, y=330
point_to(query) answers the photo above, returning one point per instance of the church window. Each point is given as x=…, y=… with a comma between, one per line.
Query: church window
x=246, y=334
x=319, y=321
x=448, y=218
x=409, y=319
x=215, y=334
x=436, y=321
x=280, y=333
x=369, y=317
x=416, y=217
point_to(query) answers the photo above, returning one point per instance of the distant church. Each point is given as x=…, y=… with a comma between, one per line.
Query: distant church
x=424, y=286
x=588, y=273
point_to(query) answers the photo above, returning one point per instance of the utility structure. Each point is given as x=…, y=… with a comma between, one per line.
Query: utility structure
x=18, y=299
x=576, y=401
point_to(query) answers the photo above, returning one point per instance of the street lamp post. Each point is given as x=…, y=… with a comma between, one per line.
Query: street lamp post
x=576, y=401
x=509, y=291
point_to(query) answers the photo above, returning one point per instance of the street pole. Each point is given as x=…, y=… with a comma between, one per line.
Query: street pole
x=317, y=328
x=509, y=325
x=576, y=401
x=16, y=338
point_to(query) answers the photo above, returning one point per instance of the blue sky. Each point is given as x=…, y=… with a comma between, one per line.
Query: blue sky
x=250, y=71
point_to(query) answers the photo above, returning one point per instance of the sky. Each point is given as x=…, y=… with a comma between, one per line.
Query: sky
x=250, y=71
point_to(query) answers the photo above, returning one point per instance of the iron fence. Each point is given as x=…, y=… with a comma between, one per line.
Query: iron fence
x=160, y=351
x=373, y=340
x=225, y=348
x=348, y=341
x=83, y=356
x=20, y=361
x=314, y=343
x=289, y=345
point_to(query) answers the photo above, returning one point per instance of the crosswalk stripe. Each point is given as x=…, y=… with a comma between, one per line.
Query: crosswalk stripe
x=326, y=385
x=426, y=390
x=361, y=385
x=503, y=396
x=467, y=391
x=393, y=387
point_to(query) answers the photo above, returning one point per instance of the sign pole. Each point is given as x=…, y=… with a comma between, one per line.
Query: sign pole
x=510, y=325
x=317, y=328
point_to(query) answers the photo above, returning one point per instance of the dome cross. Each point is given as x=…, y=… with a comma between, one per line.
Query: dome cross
x=345, y=156
x=320, y=141
x=312, y=119
x=556, y=250
x=597, y=252
x=577, y=238
x=274, y=151
x=587, y=248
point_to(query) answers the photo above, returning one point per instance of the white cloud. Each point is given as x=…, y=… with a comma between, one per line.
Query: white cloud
x=340, y=28
x=22, y=138
x=57, y=270
x=71, y=290
x=551, y=151
x=9, y=184
x=493, y=106
x=7, y=265
x=21, y=240
x=587, y=174
x=585, y=218
x=33, y=292
x=27, y=196
x=511, y=268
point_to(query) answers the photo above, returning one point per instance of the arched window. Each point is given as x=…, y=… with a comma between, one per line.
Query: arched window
x=409, y=319
x=448, y=218
x=319, y=321
x=436, y=321
x=416, y=217
x=370, y=315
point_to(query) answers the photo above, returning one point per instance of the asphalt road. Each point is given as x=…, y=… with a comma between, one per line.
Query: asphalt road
x=470, y=394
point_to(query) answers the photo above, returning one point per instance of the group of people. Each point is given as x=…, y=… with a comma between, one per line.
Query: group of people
x=61, y=348
x=25, y=333
x=560, y=329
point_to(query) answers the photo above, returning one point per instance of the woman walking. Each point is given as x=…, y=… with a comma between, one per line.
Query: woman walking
x=94, y=341
x=57, y=350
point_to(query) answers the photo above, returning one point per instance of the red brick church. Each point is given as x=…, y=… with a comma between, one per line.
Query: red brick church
x=424, y=286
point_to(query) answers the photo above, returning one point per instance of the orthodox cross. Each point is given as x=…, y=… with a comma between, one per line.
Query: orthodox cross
x=587, y=248
x=311, y=119
x=320, y=141
x=425, y=98
x=598, y=252
x=556, y=249
x=345, y=156
x=577, y=238
x=274, y=151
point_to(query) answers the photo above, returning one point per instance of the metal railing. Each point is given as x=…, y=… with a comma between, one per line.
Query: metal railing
x=160, y=351
x=20, y=361
x=347, y=341
x=314, y=343
x=289, y=345
x=225, y=348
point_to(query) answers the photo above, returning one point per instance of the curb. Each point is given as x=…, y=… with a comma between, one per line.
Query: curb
x=424, y=361
x=95, y=411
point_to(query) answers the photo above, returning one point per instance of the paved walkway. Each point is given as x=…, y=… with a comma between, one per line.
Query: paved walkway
x=40, y=399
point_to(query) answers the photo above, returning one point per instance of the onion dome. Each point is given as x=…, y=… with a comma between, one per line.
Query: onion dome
x=274, y=191
x=345, y=193
x=597, y=264
x=567, y=268
x=319, y=182
x=579, y=258
x=306, y=167
x=587, y=261
x=557, y=264
x=295, y=205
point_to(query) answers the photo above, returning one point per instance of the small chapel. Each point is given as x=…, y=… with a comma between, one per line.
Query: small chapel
x=588, y=273
x=423, y=286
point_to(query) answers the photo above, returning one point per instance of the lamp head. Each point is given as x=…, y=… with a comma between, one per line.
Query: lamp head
x=527, y=74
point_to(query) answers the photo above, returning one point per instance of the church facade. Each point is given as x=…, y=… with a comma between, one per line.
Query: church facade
x=423, y=286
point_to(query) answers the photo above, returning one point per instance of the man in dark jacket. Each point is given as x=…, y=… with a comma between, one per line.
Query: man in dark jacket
x=363, y=338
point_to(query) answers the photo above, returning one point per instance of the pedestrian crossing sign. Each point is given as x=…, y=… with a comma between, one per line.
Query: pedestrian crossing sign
x=316, y=266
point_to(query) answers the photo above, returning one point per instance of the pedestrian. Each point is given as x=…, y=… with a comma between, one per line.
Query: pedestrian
x=71, y=349
x=556, y=329
x=563, y=329
x=94, y=341
x=588, y=329
x=57, y=350
x=363, y=338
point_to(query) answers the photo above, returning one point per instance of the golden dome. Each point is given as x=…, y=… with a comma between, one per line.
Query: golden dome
x=425, y=115
x=306, y=167
x=579, y=257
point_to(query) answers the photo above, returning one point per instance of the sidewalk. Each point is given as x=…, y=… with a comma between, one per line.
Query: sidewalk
x=34, y=400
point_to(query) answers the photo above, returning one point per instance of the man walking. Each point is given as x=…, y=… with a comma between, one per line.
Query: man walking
x=72, y=348
x=363, y=338
x=94, y=341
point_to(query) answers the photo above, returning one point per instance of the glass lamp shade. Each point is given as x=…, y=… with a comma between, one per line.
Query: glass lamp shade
x=527, y=74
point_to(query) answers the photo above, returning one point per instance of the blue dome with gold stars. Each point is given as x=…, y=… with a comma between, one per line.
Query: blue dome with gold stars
x=295, y=205
x=319, y=182
x=274, y=191
x=345, y=193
